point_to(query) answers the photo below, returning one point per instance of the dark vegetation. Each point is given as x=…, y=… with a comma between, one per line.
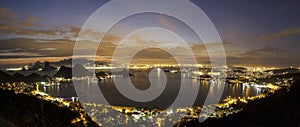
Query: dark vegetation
x=28, y=111
x=281, y=109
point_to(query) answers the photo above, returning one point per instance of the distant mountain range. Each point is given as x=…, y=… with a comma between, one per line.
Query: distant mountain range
x=66, y=72
x=63, y=72
x=82, y=61
x=48, y=66
x=18, y=77
x=39, y=66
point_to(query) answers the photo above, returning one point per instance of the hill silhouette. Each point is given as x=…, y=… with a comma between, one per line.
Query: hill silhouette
x=48, y=67
x=34, y=77
x=17, y=77
x=80, y=71
x=64, y=72
x=28, y=111
x=3, y=76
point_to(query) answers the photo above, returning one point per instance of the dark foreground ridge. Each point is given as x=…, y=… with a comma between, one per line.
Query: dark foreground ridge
x=28, y=111
x=278, y=110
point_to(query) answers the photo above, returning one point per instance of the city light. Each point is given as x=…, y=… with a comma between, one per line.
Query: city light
x=248, y=78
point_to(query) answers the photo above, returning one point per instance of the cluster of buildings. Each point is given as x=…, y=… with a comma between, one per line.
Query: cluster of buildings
x=127, y=116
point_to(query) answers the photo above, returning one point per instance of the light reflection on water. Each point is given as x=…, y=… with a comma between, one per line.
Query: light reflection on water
x=141, y=82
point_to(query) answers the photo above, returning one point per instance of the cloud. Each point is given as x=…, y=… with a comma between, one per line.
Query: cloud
x=269, y=61
x=20, y=61
x=30, y=22
x=164, y=21
x=200, y=47
x=22, y=46
x=48, y=49
x=265, y=52
x=10, y=50
x=281, y=34
x=6, y=13
x=18, y=47
x=63, y=41
x=8, y=29
x=10, y=24
x=73, y=30
x=9, y=18
x=18, y=55
x=29, y=29
x=265, y=56
x=32, y=19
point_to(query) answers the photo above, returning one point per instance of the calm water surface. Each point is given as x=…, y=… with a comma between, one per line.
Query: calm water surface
x=88, y=89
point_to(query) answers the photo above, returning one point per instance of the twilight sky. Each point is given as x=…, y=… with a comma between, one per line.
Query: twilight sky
x=253, y=32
